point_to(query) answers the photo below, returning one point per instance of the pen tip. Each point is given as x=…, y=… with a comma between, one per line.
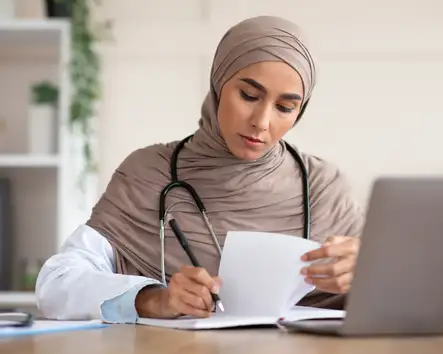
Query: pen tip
x=220, y=306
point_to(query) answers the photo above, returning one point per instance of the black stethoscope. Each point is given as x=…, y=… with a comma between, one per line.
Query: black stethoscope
x=176, y=183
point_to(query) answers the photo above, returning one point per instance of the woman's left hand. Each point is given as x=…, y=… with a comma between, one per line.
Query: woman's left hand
x=334, y=276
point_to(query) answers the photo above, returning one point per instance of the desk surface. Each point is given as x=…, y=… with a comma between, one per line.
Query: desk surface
x=131, y=339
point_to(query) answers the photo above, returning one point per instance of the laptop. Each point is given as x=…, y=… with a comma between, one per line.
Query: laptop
x=398, y=279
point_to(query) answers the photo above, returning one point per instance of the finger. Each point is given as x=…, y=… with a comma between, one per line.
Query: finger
x=218, y=280
x=332, y=269
x=201, y=276
x=337, y=285
x=194, y=300
x=216, y=289
x=185, y=308
x=332, y=240
x=334, y=250
x=200, y=291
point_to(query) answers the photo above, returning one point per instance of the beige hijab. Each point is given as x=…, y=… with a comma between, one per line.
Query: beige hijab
x=263, y=195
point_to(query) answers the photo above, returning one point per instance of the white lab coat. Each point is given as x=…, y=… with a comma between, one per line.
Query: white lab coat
x=79, y=282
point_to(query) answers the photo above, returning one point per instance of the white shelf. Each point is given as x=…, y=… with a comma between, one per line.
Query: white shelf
x=45, y=198
x=32, y=25
x=28, y=161
x=17, y=299
x=31, y=37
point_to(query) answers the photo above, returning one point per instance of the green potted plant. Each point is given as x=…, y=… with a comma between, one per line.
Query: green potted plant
x=42, y=118
x=85, y=69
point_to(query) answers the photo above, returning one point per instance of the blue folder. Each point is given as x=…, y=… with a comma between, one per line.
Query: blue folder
x=45, y=327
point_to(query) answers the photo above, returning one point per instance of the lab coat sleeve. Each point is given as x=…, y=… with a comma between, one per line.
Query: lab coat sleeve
x=79, y=282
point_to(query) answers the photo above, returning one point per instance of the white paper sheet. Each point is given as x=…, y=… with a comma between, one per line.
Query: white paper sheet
x=261, y=273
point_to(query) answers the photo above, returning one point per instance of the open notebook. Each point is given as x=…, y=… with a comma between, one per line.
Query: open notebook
x=261, y=283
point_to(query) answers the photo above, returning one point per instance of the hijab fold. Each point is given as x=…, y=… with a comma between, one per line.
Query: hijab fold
x=263, y=195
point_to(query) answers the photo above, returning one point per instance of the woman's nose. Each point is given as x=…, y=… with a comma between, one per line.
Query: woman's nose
x=262, y=117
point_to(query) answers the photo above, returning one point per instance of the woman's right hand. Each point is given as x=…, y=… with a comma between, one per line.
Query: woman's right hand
x=188, y=293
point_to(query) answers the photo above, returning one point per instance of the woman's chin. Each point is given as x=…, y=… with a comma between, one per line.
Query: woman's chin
x=247, y=154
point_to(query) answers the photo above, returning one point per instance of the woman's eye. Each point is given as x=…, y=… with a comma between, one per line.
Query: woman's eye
x=246, y=97
x=284, y=109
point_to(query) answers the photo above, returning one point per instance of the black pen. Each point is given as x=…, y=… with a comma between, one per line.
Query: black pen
x=184, y=243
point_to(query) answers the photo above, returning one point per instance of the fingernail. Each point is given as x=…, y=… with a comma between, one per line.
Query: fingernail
x=304, y=271
x=304, y=257
x=215, y=289
x=308, y=281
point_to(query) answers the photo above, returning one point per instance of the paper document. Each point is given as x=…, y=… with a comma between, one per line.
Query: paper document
x=261, y=273
x=45, y=327
x=261, y=283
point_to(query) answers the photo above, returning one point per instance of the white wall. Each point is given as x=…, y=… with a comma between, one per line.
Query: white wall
x=377, y=108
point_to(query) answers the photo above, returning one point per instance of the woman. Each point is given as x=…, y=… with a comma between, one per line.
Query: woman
x=261, y=80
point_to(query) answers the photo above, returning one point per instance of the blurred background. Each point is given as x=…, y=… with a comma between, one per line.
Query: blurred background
x=83, y=83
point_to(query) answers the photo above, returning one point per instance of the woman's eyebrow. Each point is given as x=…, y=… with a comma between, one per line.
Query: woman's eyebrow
x=260, y=87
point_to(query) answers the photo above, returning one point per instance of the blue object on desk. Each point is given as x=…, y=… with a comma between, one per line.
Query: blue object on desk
x=45, y=327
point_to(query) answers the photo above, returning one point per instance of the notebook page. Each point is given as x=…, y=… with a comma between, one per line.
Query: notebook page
x=221, y=320
x=301, y=288
x=297, y=313
x=260, y=272
x=217, y=320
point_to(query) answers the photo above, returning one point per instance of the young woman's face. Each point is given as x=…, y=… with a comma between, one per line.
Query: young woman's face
x=258, y=106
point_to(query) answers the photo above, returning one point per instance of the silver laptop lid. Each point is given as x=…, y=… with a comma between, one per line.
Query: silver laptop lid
x=398, y=285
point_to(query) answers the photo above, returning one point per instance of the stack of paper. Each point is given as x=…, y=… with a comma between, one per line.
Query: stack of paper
x=261, y=283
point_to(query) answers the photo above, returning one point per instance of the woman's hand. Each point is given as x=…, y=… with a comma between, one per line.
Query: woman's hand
x=336, y=275
x=188, y=293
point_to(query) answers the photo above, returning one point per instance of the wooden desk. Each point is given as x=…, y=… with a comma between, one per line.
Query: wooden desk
x=129, y=339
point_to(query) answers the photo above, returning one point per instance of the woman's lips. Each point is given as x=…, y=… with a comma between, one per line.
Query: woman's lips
x=251, y=140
